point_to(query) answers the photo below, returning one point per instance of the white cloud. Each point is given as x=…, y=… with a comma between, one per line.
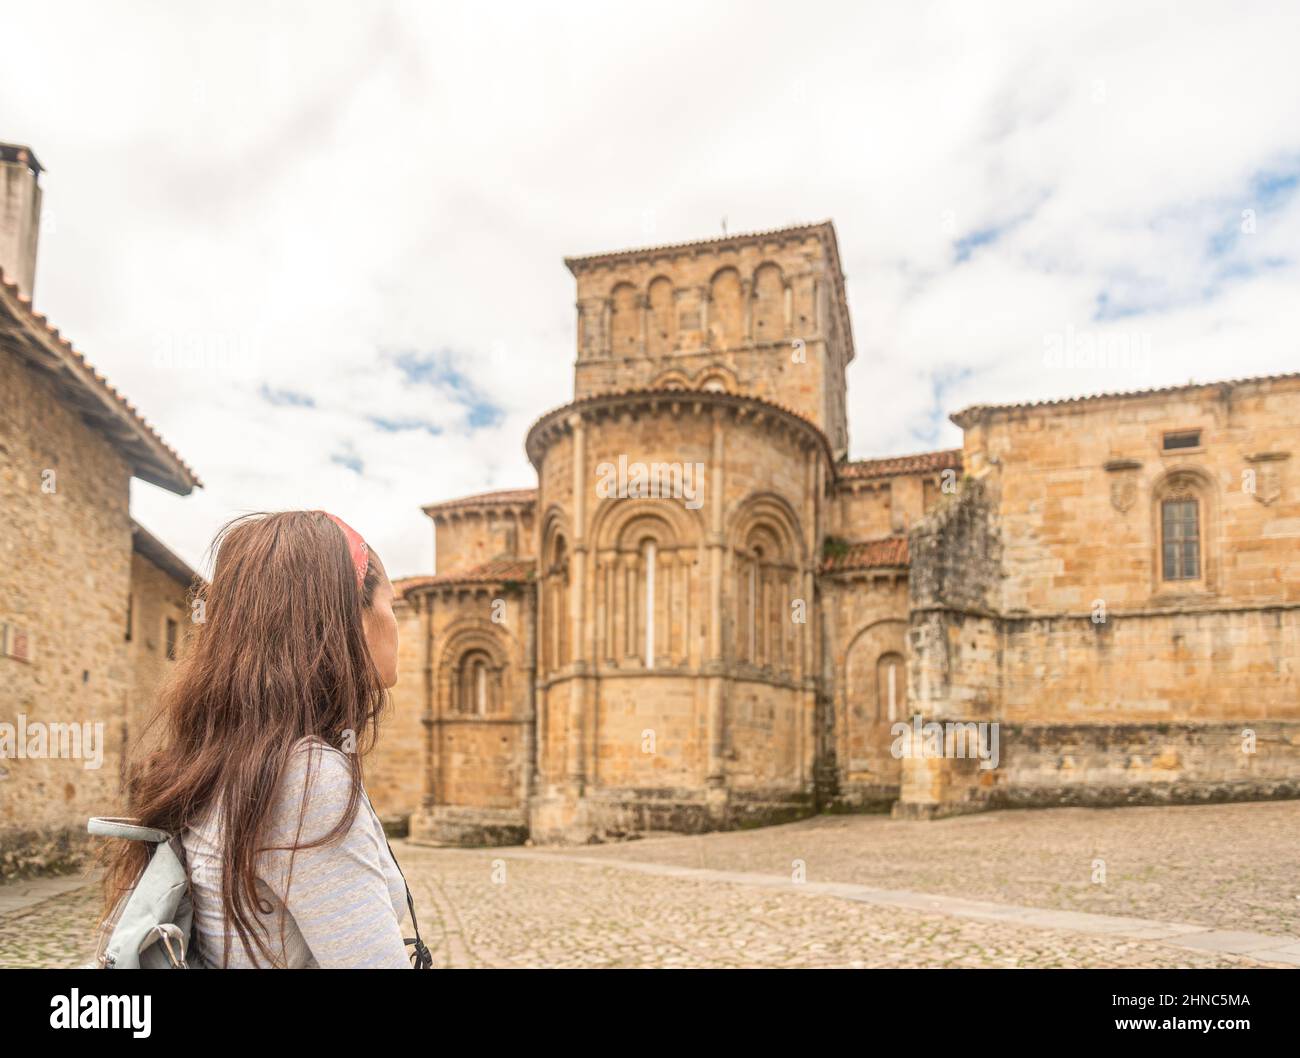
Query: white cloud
x=291, y=195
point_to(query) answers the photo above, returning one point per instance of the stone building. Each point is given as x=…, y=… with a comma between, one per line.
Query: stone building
x=157, y=626
x=78, y=579
x=705, y=616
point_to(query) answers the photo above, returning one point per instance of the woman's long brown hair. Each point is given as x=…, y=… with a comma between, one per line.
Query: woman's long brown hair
x=280, y=653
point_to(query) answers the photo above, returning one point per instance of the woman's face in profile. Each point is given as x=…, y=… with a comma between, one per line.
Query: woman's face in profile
x=380, y=625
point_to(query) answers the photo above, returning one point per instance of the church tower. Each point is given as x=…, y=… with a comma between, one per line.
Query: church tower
x=760, y=315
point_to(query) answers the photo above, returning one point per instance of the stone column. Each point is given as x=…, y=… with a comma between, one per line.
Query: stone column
x=577, y=763
x=809, y=664
x=429, y=716
x=714, y=664
x=528, y=607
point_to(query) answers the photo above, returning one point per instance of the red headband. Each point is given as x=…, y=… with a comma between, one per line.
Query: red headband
x=356, y=548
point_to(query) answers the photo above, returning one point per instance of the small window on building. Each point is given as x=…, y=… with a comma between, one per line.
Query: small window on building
x=1181, y=539
x=130, y=608
x=891, y=687
x=648, y=553
x=1182, y=439
x=172, y=629
x=476, y=685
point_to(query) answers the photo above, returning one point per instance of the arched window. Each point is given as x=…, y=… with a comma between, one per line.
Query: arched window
x=555, y=607
x=764, y=591
x=662, y=325
x=476, y=685
x=725, y=309
x=769, y=304
x=715, y=382
x=891, y=687
x=1180, y=539
x=1183, y=531
x=625, y=324
x=643, y=584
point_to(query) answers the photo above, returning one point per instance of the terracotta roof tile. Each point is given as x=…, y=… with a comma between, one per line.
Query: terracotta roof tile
x=887, y=553
x=497, y=571
x=681, y=395
x=501, y=497
x=816, y=228
x=971, y=414
x=921, y=463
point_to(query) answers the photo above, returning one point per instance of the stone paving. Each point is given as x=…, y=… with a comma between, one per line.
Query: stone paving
x=1208, y=886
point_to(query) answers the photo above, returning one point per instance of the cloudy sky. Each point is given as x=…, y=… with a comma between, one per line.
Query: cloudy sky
x=319, y=245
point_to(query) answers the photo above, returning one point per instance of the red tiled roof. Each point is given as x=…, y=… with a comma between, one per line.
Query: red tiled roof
x=968, y=415
x=889, y=466
x=497, y=571
x=151, y=458
x=402, y=586
x=502, y=497
x=675, y=394
x=887, y=553
x=817, y=228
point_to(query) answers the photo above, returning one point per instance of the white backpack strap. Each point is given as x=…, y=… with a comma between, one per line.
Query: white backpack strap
x=129, y=829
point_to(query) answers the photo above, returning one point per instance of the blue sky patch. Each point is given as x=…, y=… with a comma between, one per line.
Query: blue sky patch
x=282, y=398
x=438, y=371
x=349, y=460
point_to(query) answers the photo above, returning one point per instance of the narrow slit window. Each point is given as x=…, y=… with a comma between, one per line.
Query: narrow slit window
x=649, y=604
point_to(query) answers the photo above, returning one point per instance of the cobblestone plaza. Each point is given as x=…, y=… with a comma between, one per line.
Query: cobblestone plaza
x=1188, y=886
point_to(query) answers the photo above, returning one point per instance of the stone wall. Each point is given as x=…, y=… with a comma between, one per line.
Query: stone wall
x=477, y=747
x=394, y=769
x=65, y=570
x=1040, y=599
x=156, y=597
x=866, y=619
x=1145, y=763
x=719, y=729
x=465, y=538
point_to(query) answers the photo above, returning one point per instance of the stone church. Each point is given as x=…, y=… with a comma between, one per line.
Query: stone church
x=705, y=616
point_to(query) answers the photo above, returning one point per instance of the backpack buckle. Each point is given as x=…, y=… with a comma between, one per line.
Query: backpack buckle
x=172, y=940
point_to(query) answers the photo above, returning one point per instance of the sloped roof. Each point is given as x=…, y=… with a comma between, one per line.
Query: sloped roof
x=967, y=416
x=497, y=498
x=497, y=571
x=887, y=553
x=672, y=395
x=889, y=466
x=146, y=544
x=29, y=335
x=740, y=238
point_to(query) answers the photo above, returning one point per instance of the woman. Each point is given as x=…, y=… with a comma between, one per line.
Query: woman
x=267, y=717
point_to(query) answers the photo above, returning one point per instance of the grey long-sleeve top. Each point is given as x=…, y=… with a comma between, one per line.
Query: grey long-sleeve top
x=347, y=899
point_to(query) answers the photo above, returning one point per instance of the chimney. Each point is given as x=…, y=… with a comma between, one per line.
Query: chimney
x=20, y=215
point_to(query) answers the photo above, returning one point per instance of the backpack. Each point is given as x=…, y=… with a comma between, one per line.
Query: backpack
x=151, y=926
